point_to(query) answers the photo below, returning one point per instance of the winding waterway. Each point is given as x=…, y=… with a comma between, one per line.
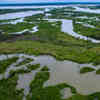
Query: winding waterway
x=67, y=25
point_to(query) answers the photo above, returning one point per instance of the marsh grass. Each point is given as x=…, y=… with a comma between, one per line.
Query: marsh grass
x=86, y=70
x=45, y=68
x=52, y=41
x=11, y=28
x=46, y=93
x=23, y=71
x=87, y=31
x=98, y=72
x=33, y=67
x=4, y=64
x=8, y=89
x=25, y=61
x=20, y=71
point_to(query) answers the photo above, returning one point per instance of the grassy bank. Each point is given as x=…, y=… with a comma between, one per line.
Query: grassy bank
x=6, y=63
x=68, y=52
x=87, y=31
x=86, y=70
x=49, y=40
x=8, y=89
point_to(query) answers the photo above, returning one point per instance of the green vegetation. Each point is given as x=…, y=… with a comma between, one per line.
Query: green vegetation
x=4, y=11
x=51, y=41
x=8, y=89
x=4, y=64
x=94, y=96
x=47, y=31
x=54, y=92
x=86, y=70
x=87, y=31
x=38, y=91
x=34, y=18
x=61, y=13
x=10, y=28
x=46, y=93
x=45, y=68
x=33, y=67
x=78, y=97
x=66, y=52
x=22, y=71
x=97, y=60
x=4, y=21
x=25, y=61
x=98, y=71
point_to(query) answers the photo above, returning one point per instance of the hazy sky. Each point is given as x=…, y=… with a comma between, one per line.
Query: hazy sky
x=29, y=1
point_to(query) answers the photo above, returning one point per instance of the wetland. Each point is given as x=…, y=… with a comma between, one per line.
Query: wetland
x=50, y=53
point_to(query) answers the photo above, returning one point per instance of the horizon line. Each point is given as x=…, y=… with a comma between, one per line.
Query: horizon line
x=46, y=3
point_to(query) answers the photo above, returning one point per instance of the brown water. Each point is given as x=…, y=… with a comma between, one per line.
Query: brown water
x=68, y=72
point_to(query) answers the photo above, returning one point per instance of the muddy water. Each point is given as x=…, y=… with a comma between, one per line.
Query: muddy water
x=68, y=72
x=25, y=80
x=66, y=93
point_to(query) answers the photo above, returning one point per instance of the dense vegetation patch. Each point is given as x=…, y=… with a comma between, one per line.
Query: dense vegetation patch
x=66, y=52
x=4, y=64
x=25, y=61
x=86, y=70
x=23, y=71
x=87, y=31
x=4, y=11
x=8, y=89
x=11, y=28
x=45, y=68
x=33, y=67
x=46, y=93
x=98, y=71
x=50, y=40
